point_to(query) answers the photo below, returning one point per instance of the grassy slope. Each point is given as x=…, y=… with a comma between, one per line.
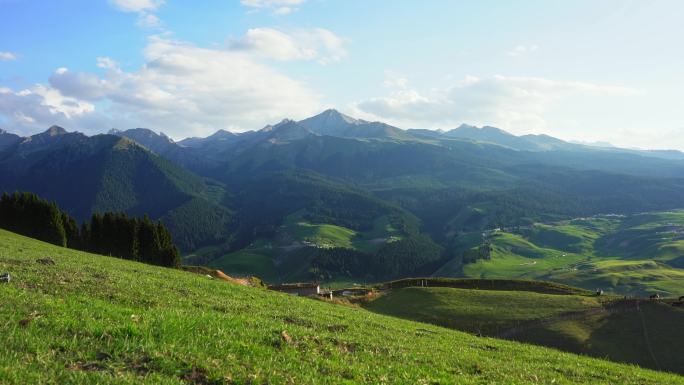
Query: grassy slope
x=638, y=255
x=92, y=319
x=618, y=335
x=244, y=262
x=323, y=235
x=476, y=311
x=515, y=257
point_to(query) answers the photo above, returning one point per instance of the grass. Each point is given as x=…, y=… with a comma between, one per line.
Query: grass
x=636, y=255
x=244, y=262
x=515, y=257
x=321, y=235
x=648, y=334
x=541, y=287
x=476, y=311
x=92, y=319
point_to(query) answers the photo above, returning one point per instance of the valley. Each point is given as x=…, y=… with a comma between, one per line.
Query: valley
x=334, y=199
x=314, y=192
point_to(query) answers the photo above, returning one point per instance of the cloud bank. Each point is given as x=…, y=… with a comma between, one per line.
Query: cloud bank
x=182, y=89
x=303, y=44
x=517, y=103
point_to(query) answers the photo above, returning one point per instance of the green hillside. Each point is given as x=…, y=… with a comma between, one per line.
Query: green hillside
x=476, y=311
x=287, y=254
x=82, y=319
x=87, y=175
x=637, y=254
x=639, y=332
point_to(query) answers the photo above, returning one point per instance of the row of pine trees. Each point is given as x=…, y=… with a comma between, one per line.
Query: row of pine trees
x=113, y=234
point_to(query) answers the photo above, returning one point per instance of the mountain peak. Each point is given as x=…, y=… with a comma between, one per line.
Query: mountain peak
x=333, y=116
x=486, y=133
x=222, y=134
x=286, y=130
x=465, y=126
x=55, y=131
x=282, y=123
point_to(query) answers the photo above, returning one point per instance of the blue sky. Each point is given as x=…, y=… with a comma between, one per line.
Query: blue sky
x=581, y=70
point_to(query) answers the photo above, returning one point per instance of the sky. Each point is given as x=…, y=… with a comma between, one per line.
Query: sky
x=584, y=70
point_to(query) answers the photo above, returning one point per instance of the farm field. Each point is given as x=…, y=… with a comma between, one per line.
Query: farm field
x=642, y=332
x=84, y=318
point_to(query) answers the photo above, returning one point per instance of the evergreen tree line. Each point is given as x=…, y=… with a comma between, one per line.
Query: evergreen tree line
x=113, y=234
x=410, y=256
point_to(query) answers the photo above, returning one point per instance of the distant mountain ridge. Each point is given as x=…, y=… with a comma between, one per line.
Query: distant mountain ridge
x=369, y=183
x=334, y=123
x=504, y=138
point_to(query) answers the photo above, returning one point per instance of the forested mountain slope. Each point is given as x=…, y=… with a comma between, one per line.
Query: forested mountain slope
x=280, y=199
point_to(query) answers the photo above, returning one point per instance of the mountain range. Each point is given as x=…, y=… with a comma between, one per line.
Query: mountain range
x=263, y=199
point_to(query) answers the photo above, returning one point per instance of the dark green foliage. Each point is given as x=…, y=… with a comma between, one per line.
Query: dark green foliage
x=27, y=214
x=118, y=235
x=113, y=234
x=106, y=173
x=167, y=254
x=330, y=263
x=406, y=256
x=264, y=201
x=71, y=231
x=199, y=223
x=483, y=251
x=413, y=255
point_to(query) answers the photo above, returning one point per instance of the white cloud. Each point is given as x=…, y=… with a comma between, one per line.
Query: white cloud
x=279, y=7
x=283, y=11
x=182, y=89
x=7, y=56
x=106, y=63
x=137, y=5
x=145, y=10
x=148, y=20
x=38, y=107
x=523, y=49
x=516, y=103
x=79, y=85
x=303, y=44
x=395, y=80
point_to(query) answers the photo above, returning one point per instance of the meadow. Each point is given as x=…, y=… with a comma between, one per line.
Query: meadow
x=640, y=254
x=643, y=332
x=70, y=317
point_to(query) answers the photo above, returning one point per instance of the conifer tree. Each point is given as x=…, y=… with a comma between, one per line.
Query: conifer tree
x=168, y=254
x=113, y=234
x=148, y=242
